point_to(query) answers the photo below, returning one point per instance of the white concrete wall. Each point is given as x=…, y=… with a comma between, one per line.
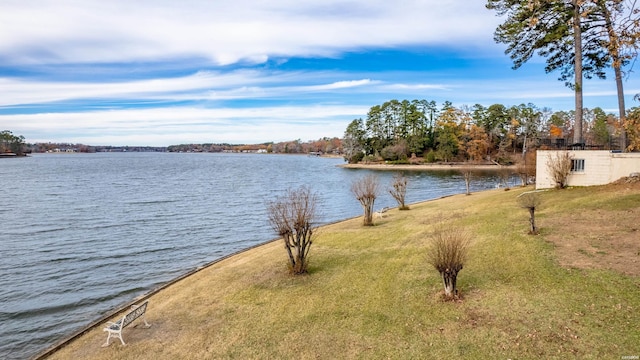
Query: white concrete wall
x=543, y=178
x=624, y=164
x=597, y=167
x=600, y=167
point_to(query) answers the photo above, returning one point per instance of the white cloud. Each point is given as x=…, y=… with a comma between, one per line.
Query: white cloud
x=242, y=84
x=52, y=31
x=341, y=85
x=29, y=92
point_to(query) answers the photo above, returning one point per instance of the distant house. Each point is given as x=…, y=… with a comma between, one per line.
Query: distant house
x=589, y=167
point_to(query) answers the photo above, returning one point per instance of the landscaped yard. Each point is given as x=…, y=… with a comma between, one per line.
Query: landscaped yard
x=571, y=292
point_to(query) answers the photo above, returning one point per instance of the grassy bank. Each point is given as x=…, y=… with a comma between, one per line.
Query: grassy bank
x=370, y=293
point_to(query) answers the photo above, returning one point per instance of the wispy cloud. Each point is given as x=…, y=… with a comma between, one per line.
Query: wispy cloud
x=201, y=86
x=20, y=92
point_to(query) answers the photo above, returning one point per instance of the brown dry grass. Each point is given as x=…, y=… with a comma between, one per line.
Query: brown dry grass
x=189, y=314
x=371, y=294
x=603, y=237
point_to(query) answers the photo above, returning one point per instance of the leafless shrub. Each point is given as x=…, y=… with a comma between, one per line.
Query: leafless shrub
x=467, y=173
x=504, y=174
x=365, y=190
x=292, y=216
x=522, y=174
x=399, y=190
x=447, y=254
x=559, y=165
x=531, y=201
x=525, y=172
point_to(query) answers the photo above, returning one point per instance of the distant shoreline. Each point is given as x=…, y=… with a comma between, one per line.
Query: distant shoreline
x=11, y=155
x=421, y=167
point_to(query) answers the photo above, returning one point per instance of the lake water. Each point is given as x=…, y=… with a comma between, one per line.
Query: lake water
x=83, y=234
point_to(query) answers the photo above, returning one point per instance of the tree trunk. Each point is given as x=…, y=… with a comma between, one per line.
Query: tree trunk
x=621, y=108
x=614, y=50
x=300, y=266
x=577, y=38
x=368, y=214
x=449, y=281
x=287, y=245
x=532, y=220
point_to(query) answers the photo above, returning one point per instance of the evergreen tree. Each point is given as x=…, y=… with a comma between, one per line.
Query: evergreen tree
x=354, y=141
x=546, y=27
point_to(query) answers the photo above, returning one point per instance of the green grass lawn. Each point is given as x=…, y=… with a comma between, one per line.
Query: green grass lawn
x=370, y=293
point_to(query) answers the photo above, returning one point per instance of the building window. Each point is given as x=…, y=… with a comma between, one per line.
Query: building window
x=577, y=165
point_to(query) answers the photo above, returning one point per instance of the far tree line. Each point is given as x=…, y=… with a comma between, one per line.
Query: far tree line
x=323, y=145
x=398, y=130
x=11, y=144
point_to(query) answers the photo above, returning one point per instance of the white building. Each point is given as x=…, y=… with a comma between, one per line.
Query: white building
x=589, y=167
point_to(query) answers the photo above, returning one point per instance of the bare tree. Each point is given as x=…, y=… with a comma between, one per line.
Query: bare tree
x=504, y=174
x=559, y=165
x=467, y=174
x=399, y=190
x=525, y=171
x=447, y=254
x=365, y=190
x=521, y=170
x=530, y=200
x=292, y=216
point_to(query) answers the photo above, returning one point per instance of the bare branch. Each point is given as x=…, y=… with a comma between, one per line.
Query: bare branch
x=447, y=254
x=559, y=166
x=366, y=191
x=530, y=200
x=399, y=190
x=292, y=216
x=467, y=172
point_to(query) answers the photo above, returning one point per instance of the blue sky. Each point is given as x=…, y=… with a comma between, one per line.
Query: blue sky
x=162, y=72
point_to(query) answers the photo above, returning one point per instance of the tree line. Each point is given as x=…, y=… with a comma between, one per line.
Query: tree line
x=323, y=145
x=398, y=130
x=579, y=38
x=10, y=143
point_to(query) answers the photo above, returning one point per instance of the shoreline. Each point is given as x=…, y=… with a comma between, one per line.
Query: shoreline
x=114, y=312
x=213, y=321
x=102, y=320
x=423, y=167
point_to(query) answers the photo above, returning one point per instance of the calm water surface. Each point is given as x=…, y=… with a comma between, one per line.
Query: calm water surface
x=83, y=234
